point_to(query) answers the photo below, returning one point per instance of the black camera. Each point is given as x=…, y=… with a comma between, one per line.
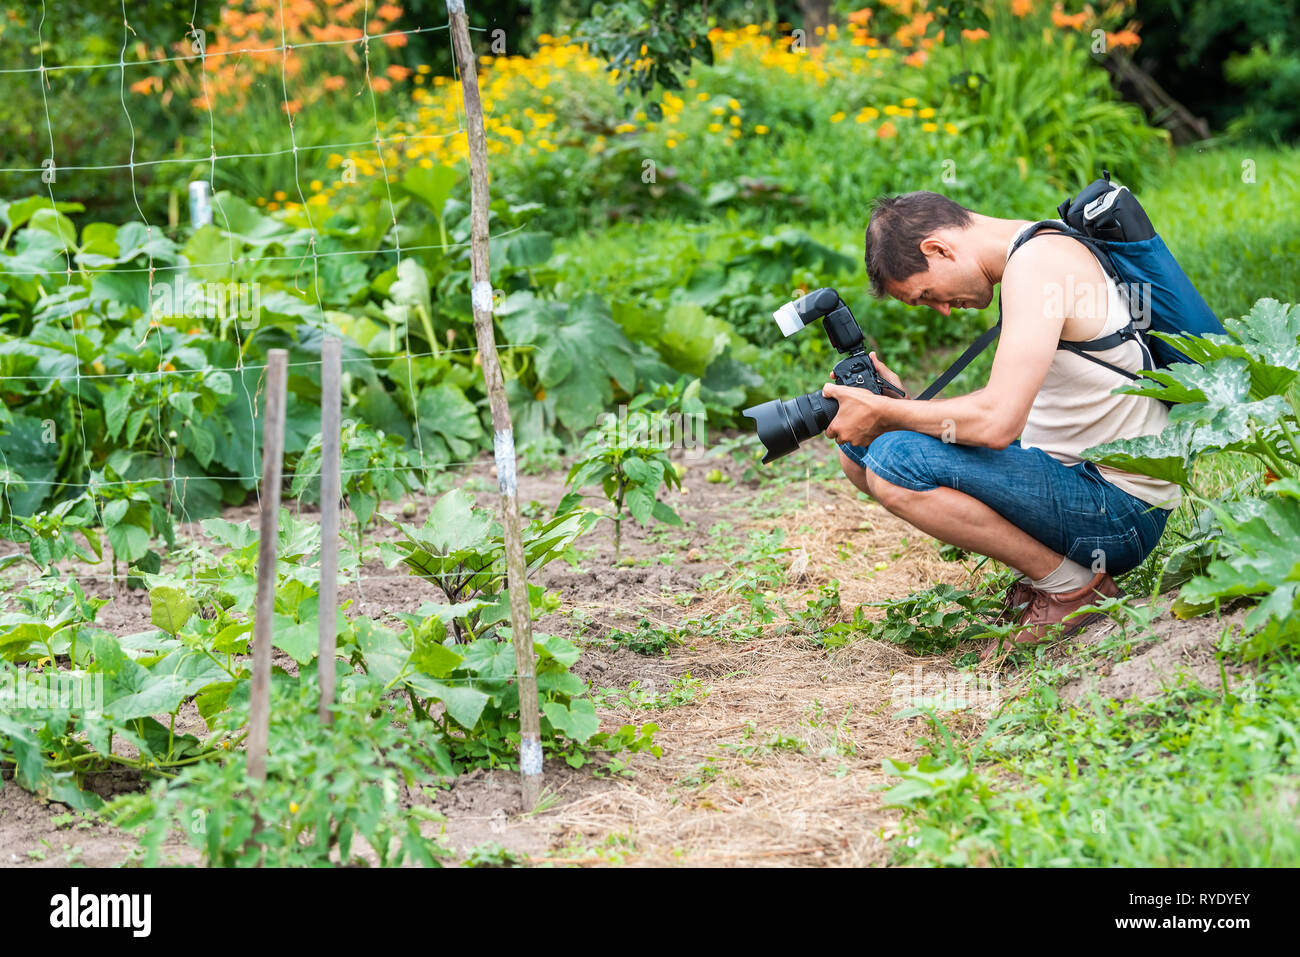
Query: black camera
x=783, y=424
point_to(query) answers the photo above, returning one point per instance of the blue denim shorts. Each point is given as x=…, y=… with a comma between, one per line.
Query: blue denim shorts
x=1069, y=508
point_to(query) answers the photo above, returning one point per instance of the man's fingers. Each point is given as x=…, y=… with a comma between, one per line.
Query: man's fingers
x=888, y=374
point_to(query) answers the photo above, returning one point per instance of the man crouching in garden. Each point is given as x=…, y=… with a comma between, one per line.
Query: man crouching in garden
x=998, y=471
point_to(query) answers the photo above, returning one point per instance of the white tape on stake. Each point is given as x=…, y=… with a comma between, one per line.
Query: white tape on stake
x=455, y=6
x=530, y=755
x=481, y=296
x=503, y=448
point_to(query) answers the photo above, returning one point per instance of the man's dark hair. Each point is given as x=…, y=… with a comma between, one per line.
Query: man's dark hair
x=896, y=228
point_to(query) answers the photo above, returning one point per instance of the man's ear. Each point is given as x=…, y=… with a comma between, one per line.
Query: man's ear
x=934, y=246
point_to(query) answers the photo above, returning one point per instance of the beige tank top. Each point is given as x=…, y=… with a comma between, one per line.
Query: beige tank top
x=1074, y=409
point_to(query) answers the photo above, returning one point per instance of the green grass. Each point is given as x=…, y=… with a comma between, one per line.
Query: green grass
x=1235, y=239
x=1192, y=778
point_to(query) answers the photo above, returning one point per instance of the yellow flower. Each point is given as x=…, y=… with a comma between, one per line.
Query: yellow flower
x=715, y=127
x=910, y=101
x=950, y=129
x=625, y=128
x=892, y=110
x=733, y=103
x=760, y=129
x=836, y=117
x=293, y=807
x=718, y=110
x=735, y=121
x=316, y=185
x=867, y=114
x=671, y=144
x=701, y=96
x=281, y=195
x=930, y=127
x=926, y=114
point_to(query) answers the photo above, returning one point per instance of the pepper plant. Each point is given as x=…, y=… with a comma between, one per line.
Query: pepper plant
x=627, y=455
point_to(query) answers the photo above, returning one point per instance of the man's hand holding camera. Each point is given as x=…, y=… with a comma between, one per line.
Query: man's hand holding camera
x=862, y=415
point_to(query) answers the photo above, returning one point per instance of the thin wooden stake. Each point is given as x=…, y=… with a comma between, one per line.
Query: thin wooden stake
x=331, y=398
x=521, y=624
x=259, y=716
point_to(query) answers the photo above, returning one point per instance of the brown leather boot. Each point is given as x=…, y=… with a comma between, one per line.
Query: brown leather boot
x=1046, y=610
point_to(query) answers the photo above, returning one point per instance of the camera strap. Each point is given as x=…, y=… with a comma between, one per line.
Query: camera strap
x=974, y=349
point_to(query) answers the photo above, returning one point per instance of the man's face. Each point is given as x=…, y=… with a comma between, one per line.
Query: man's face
x=953, y=281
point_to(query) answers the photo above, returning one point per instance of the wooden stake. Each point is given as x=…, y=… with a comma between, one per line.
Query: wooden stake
x=259, y=709
x=331, y=388
x=521, y=624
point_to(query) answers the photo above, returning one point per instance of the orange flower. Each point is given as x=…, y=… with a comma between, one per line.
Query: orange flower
x=398, y=72
x=860, y=17
x=1021, y=8
x=389, y=11
x=291, y=106
x=975, y=35
x=149, y=84
x=380, y=85
x=396, y=40
x=1060, y=19
x=915, y=59
x=335, y=82
x=887, y=130
x=1124, y=38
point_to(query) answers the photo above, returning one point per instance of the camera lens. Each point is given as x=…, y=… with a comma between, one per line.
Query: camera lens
x=782, y=425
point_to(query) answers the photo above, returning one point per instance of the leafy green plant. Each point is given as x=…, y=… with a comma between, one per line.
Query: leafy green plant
x=331, y=793
x=627, y=455
x=461, y=550
x=684, y=689
x=646, y=639
x=374, y=467
x=493, y=854
x=1240, y=398
x=937, y=619
x=1187, y=777
x=50, y=535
